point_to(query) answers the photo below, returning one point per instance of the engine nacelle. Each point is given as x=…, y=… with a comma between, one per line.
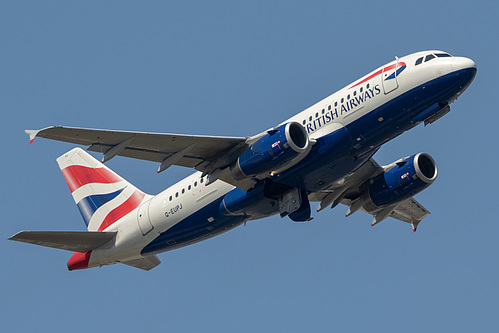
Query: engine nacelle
x=406, y=179
x=276, y=149
x=252, y=203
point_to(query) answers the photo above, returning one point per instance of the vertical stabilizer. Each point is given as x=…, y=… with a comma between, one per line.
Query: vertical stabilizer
x=101, y=195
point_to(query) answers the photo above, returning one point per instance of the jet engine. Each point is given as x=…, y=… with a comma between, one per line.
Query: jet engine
x=407, y=178
x=277, y=149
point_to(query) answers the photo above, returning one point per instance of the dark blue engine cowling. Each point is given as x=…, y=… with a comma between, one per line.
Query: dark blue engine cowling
x=406, y=179
x=273, y=151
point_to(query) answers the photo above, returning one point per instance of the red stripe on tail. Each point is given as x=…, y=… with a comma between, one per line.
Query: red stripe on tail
x=123, y=209
x=76, y=176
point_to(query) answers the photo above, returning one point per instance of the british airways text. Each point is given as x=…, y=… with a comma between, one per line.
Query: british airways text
x=342, y=109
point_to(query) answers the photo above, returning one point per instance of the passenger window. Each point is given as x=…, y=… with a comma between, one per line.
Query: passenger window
x=342, y=100
x=329, y=108
x=429, y=57
x=310, y=118
x=336, y=104
x=176, y=195
x=171, y=198
x=195, y=184
x=183, y=190
x=316, y=114
x=361, y=89
x=304, y=122
x=189, y=188
x=367, y=87
x=348, y=96
x=419, y=61
x=355, y=93
x=201, y=180
x=323, y=111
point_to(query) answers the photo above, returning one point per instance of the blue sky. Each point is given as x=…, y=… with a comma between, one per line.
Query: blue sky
x=231, y=68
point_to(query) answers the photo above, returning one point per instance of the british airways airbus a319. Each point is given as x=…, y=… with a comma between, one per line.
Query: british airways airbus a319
x=323, y=154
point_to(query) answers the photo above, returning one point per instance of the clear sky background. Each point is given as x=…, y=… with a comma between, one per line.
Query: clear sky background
x=234, y=68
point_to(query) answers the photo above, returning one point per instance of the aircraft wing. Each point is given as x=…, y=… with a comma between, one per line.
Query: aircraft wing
x=204, y=153
x=410, y=211
x=349, y=189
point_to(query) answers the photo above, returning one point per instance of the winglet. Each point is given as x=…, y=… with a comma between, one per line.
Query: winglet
x=415, y=225
x=32, y=134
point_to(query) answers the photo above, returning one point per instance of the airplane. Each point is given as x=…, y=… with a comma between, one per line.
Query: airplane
x=323, y=154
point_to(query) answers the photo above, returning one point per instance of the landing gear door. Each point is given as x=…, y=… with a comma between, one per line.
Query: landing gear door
x=389, y=77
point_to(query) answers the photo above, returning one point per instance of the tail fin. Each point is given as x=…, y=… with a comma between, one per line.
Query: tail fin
x=101, y=195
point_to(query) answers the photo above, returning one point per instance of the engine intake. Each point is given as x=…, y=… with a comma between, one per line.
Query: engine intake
x=276, y=149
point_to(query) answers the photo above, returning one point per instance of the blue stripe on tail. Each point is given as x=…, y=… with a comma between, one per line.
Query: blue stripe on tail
x=90, y=204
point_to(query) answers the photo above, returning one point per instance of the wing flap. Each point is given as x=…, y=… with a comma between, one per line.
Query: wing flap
x=76, y=241
x=145, y=263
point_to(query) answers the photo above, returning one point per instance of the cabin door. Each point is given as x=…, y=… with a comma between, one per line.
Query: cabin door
x=145, y=224
x=389, y=77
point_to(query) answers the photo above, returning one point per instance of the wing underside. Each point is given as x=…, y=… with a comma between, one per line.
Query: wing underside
x=198, y=151
x=347, y=190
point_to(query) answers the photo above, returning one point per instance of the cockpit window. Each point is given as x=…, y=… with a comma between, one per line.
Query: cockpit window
x=432, y=56
x=429, y=57
x=443, y=55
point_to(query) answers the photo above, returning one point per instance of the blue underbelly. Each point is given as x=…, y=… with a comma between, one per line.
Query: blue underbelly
x=194, y=228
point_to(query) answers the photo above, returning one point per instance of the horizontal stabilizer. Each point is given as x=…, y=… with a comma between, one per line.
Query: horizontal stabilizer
x=76, y=241
x=146, y=263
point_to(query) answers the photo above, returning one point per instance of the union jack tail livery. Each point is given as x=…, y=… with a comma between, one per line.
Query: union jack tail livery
x=102, y=196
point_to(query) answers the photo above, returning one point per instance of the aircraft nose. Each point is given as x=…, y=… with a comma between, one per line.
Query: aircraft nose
x=464, y=74
x=462, y=63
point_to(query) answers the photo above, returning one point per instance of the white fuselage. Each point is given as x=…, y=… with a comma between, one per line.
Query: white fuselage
x=191, y=195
